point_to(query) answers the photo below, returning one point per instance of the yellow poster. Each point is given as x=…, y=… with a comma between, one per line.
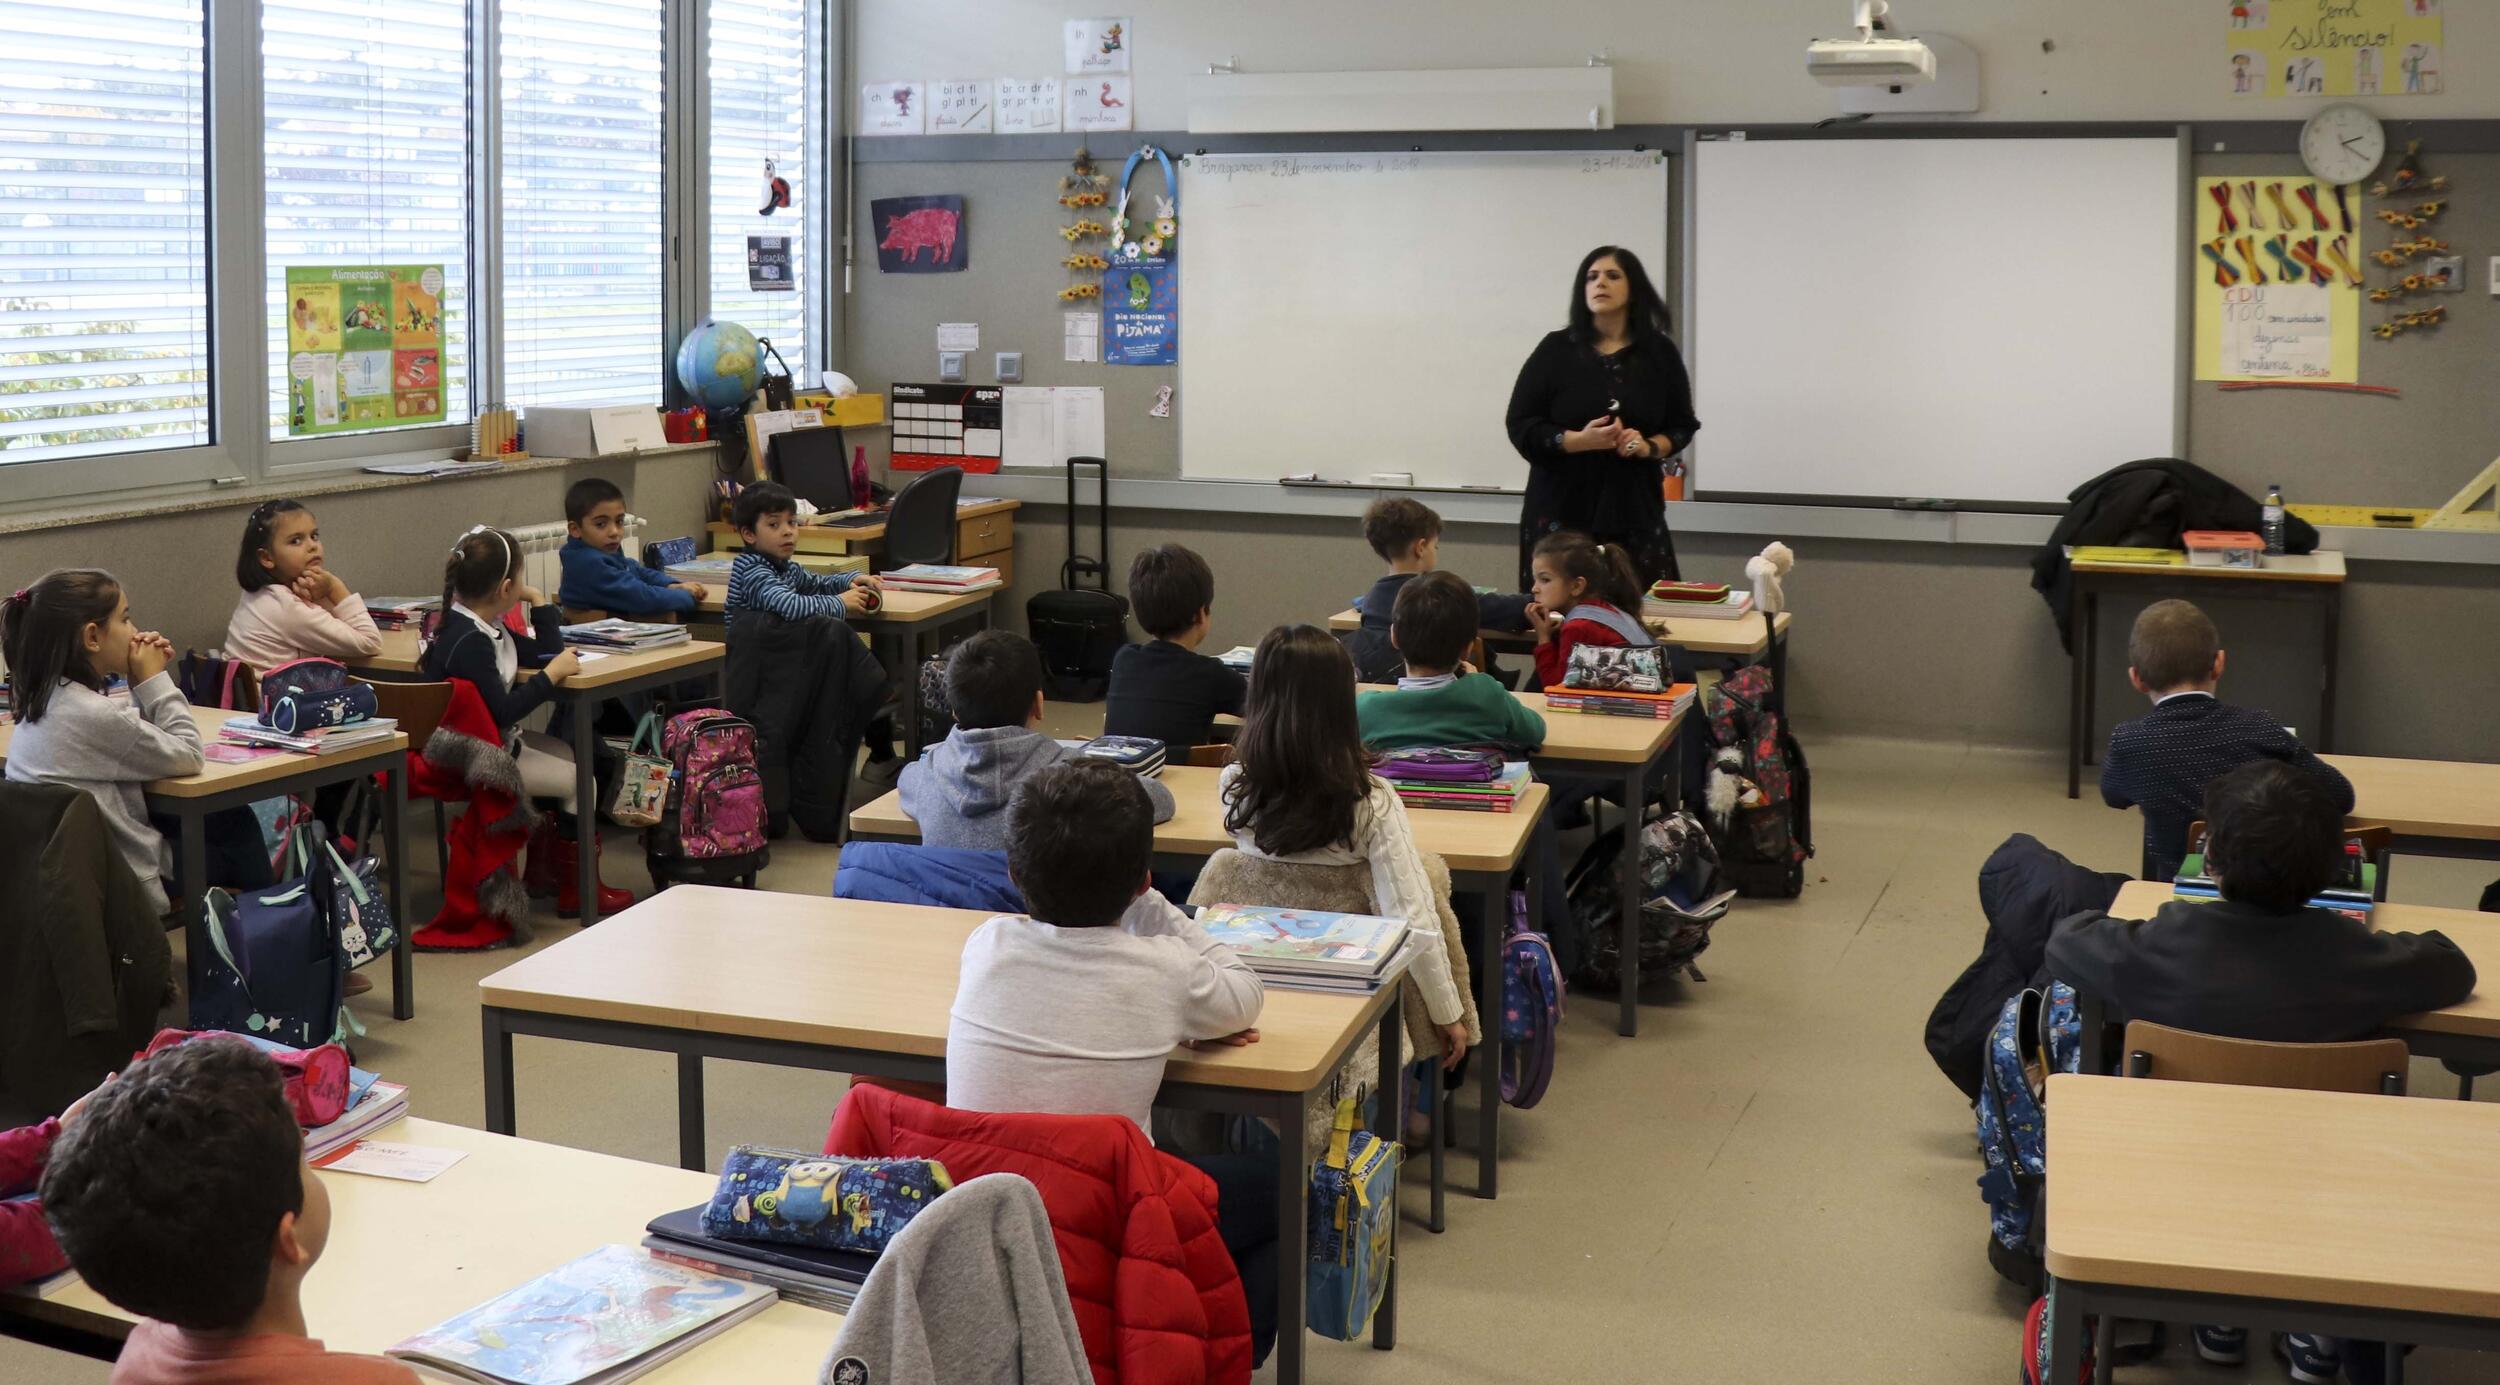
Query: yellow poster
x=2277, y=270
x=2332, y=47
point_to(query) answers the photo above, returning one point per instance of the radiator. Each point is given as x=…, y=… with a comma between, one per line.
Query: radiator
x=541, y=568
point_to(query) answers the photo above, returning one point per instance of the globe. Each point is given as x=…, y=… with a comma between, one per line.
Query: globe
x=718, y=364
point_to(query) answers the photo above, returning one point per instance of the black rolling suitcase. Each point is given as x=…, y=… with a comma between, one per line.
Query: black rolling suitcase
x=1079, y=627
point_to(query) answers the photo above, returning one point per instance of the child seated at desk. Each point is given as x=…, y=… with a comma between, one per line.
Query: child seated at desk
x=597, y=574
x=1072, y=1007
x=1586, y=593
x=28, y=1249
x=1439, y=700
x=1165, y=689
x=1407, y=536
x=2262, y=962
x=2163, y=760
x=181, y=1195
x=293, y=607
x=959, y=789
x=765, y=578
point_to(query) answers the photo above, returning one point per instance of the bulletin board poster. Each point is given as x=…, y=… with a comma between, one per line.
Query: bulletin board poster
x=2332, y=47
x=364, y=347
x=2261, y=311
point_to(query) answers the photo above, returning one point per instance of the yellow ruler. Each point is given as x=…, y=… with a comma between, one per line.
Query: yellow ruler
x=2363, y=516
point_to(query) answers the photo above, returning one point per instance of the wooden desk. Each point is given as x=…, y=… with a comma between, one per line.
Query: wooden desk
x=217, y=787
x=2317, y=577
x=2243, y=1206
x=405, y=1256
x=2435, y=807
x=984, y=533
x=861, y=987
x=1745, y=638
x=2468, y=1031
x=906, y=628
x=1635, y=754
x=1482, y=849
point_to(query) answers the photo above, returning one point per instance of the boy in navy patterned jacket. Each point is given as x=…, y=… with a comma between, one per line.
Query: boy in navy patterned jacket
x=2162, y=761
x=764, y=579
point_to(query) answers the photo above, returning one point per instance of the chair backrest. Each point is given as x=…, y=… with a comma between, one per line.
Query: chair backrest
x=920, y=528
x=582, y=615
x=2369, y=1066
x=1214, y=756
x=417, y=707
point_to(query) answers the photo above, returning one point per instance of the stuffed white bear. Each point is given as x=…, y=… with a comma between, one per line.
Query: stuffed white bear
x=1766, y=569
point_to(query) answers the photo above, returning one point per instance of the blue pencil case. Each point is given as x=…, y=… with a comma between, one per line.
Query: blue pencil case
x=790, y=1198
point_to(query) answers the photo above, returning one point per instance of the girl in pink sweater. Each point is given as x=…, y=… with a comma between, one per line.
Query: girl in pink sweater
x=293, y=606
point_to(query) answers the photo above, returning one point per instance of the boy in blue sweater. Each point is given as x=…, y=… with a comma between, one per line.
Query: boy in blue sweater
x=597, y=574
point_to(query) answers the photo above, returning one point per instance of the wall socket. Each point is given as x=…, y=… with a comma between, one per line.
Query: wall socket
x=951, y=367
x=2495, y=276
x=1010, y=367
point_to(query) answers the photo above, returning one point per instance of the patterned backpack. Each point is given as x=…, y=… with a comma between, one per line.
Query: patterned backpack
x=713, y=827
x=1682, y=895
x=2038, y=1033
x=1532, y=1008
x=1758, y=789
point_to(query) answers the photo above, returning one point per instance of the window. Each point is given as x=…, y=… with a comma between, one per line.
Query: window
x=583, y=236
x=365, y=140
x=103, y=228
x=766, y=64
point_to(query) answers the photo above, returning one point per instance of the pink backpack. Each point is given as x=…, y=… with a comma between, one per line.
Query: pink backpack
x=716, y=796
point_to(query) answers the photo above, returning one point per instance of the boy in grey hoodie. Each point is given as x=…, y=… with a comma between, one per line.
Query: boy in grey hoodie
x=958, y=789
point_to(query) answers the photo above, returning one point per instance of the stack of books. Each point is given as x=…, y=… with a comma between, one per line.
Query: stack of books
x=2353, y=894
x=247, y=730
x=1238, y=658
x=614, y=1314
x=1310, y=949
x=1659, y=706
x=942, y=578
x=371, y=1104
x=710, y=570
x=1469, y=780
x=1695, y=601
x=1143, y=754
x=816, y=1276
x=400, y=612
x=627, y=636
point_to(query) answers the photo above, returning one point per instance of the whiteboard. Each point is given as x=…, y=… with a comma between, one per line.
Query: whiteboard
x=1354, y=313
x=1964, y=319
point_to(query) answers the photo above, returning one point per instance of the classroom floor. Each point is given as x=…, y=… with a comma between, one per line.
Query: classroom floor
x=1771, y=1184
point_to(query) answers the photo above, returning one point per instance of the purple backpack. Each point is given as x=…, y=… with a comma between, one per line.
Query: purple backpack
x=718, y=795
x=1532, y=1008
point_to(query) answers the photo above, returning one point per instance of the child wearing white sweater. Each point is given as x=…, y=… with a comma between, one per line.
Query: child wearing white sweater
x=293, y=606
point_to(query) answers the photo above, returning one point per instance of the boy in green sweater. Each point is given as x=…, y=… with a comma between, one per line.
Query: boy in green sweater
x=1440, y=700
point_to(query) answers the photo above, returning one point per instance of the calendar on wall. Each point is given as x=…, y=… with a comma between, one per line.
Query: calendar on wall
x=947, y=425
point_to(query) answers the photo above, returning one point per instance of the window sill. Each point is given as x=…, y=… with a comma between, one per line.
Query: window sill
x=302, y=488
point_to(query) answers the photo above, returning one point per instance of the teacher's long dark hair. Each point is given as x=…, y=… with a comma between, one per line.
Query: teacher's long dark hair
x=1302, y=765
x=1645, y=315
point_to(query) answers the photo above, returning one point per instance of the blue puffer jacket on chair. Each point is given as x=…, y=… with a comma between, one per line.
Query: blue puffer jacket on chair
x=946, y=877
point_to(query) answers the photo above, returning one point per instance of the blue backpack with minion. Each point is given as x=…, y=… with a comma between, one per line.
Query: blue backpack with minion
x=1352, y=1228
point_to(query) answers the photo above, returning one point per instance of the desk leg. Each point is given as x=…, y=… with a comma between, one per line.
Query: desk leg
x=1779, y=666
x=585, y=809
x=403, y=950
x=2065, y=1329
x=191, y=871
x=497, y=1044
x=2091, y=666
x=2074, y=705
x=2092, y=1034
x=1388, y=1113
x=1293, y=1195
x=1488, y=966
x=1635, y=812
x=690, y=1110
x=2332, y=615
x=907, y=672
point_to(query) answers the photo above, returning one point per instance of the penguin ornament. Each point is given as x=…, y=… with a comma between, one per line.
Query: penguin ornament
x=776, y=191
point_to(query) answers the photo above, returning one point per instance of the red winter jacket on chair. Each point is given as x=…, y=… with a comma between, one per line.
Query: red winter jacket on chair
x=1157, y=1298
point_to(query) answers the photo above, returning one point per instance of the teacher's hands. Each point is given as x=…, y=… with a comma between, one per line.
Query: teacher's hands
x=1632, y=444
x=1603, y=434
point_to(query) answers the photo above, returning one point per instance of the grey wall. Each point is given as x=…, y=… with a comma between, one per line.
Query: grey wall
x=179, y=567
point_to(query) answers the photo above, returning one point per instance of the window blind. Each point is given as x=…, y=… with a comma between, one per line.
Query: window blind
x=583, y=241
x=765, y=59
x=103, y=228
x=365, y=114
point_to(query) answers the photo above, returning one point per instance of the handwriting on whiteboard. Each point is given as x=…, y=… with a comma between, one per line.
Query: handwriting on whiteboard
x=1230, y=167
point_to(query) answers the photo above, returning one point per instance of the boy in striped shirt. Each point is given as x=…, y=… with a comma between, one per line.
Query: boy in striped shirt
x=764, y=579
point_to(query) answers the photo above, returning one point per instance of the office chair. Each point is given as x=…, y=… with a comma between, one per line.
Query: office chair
x=920, y=528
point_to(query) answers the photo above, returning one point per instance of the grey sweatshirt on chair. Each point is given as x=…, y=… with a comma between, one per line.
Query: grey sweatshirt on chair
x=113, y=750
x=958, y=790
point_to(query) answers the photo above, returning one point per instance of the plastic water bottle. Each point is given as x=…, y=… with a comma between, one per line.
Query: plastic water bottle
x=2271, y=520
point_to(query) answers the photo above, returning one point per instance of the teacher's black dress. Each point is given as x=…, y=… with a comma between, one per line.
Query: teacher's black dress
x=1613, y=499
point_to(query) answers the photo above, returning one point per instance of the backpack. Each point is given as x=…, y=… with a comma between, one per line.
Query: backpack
x=937, y=713
x=274, y=969
x=1682, y=895
x=1532, y=1008
x=1758, y=796
x=213, y=679
x=2036, y=1034
x=1352, y=1219
x=712, y=829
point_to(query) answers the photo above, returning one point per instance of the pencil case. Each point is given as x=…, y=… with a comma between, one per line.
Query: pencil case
x=790, y=1198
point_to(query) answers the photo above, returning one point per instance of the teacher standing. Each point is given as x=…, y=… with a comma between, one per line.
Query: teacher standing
x=1599, y=408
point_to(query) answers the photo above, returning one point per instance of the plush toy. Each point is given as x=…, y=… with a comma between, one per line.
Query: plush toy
x=1766, y=569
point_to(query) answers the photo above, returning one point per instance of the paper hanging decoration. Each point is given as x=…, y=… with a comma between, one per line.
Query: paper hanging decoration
x=2439, y=272
x=1083, y=188
x=776, y=191
x=1141, y=288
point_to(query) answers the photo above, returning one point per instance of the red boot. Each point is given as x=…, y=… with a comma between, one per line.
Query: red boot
x=568, y=861
x=538, y=876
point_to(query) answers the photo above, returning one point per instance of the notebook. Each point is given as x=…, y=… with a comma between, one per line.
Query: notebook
x=607, y=1317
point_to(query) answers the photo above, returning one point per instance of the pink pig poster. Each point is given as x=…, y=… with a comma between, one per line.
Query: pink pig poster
x=920, y=235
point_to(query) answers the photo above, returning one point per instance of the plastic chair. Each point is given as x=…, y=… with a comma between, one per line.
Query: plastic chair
x=1214, y=756
x=418, y=708
x=920, y=528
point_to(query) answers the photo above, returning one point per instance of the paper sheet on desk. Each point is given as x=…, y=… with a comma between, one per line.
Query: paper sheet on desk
x=1045, y=425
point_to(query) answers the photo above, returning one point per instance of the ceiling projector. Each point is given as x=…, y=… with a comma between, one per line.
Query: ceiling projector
x=1873, y=58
